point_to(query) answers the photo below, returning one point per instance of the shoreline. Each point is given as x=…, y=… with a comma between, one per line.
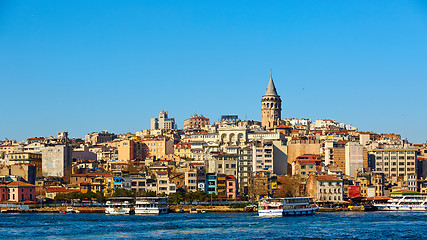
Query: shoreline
x=173, y=209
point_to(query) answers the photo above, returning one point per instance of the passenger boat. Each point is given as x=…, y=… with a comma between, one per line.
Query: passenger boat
x=404, y=203
x=120, y=206
x=151, y=205
x=287, y=206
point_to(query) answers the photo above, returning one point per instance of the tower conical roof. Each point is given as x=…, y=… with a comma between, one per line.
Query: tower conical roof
x=271, y=89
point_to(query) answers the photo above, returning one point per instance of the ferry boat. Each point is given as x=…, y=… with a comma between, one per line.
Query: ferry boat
x=287, y=206
x=119, y=206
x=151, y=205
x=404, y=203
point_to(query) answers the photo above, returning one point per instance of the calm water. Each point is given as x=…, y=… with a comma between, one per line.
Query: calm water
x=371, y=225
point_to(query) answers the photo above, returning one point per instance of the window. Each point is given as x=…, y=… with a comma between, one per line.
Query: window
x=227, y=166
x=220, y=165
x=233, y=165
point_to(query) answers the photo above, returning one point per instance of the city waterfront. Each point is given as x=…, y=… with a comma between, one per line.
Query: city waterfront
x=337, y=225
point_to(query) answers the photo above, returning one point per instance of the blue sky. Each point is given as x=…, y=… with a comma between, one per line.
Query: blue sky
x=83, y=66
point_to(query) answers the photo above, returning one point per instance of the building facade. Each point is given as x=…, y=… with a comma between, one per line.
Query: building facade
x=163, y=121
x=195, y=122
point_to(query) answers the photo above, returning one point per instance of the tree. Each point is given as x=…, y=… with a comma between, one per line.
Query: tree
x=176, y=197
x=121, y=192
x=100, y=197
x=288, y=186
x=60, y=197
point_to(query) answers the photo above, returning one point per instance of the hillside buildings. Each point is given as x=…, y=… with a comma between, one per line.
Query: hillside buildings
x=229, y=159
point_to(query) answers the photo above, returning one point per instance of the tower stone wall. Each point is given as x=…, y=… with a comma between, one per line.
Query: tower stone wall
x=271, y=106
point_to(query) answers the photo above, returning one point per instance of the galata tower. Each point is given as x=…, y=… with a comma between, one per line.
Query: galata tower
x=271, y=106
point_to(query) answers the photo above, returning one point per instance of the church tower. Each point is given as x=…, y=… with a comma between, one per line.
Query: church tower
x=271, y=106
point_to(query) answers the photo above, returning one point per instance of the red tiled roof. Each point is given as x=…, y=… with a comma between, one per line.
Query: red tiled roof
x=327, y=178
x=283, y=126
x=60, y=189
x=376, y=198
x=195, y=164
x=102, y=174
x=305, y=161
x=20, y=184
x=403, y=191
x=231, y=177
x=183, y=145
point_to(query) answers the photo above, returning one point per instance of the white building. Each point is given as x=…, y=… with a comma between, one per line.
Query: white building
x=353, y=158
x=163, y=122
x=56, y=160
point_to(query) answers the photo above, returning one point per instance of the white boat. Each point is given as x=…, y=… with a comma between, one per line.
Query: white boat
x=404, y=203
x=287, y=206
x=71, y=210
x=151, y=205
x=119, y=206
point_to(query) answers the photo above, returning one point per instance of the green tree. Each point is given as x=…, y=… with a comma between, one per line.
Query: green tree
x=121, y=192
x=176, y=197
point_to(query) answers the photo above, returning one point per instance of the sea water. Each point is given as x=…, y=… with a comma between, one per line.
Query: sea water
x=338, y=225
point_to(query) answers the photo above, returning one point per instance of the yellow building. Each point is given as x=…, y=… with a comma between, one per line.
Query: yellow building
x=157, y=147
x=183, y=150
x=31, y=158
x=363, y=182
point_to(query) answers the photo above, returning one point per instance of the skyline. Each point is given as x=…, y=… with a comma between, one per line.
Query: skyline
x=84, y=67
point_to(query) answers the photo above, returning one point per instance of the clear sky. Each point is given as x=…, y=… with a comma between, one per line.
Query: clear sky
x=84, y=66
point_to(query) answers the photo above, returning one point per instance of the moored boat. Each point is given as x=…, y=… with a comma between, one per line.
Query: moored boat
x=287, y=206
x=120, y=206
x=151, y=205
x=71, y=210
x=404, y=203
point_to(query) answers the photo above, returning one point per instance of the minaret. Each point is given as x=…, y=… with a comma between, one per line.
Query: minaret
x=271, y=106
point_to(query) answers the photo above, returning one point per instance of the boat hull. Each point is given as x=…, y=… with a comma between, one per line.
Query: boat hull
x=120, y=211
x=413, y=208
x=151, y=211
x=287, y=212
